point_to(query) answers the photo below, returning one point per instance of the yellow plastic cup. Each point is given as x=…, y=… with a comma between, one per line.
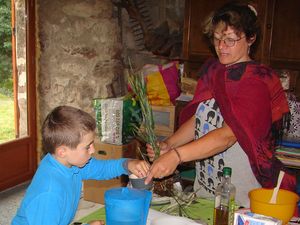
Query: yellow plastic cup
x=283, y=209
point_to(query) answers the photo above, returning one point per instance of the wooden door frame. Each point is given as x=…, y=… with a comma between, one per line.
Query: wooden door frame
x=18, y=158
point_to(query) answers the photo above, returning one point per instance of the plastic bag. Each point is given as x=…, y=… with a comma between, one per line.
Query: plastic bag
x=162, y=83
x=116, y=118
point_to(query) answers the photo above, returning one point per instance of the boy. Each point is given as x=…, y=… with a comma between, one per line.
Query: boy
x=68, y=141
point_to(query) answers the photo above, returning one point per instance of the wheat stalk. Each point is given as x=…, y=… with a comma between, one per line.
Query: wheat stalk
x=137, y=83
x=180, y=206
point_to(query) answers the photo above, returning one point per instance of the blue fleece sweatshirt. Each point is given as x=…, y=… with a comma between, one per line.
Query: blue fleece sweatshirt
x=53, y=195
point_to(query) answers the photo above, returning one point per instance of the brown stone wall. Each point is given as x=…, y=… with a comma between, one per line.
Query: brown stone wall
x=82, y=48
x=80, y=53
x=159, y=11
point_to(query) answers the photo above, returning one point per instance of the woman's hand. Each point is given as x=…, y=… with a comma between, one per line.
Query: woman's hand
x=97, y=222
x=140, y=168
x=164, y=166
x=164, y=147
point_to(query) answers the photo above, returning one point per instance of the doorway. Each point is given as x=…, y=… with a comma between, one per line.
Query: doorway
x=18, y=155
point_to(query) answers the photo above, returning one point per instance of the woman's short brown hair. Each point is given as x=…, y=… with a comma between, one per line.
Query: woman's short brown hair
x=65, y=125
x=238, y=15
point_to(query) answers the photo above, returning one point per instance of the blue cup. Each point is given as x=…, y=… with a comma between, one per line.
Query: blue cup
x=127, y=206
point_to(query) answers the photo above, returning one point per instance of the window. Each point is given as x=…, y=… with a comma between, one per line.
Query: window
x=18, y=153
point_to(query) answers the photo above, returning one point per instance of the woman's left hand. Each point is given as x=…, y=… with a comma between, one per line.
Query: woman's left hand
x=164, y=166
x=140, y=168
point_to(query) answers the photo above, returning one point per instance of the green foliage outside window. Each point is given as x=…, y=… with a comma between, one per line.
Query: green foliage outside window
x=6, y=82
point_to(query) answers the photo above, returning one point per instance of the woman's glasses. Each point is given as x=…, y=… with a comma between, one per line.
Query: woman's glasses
x=229, y=42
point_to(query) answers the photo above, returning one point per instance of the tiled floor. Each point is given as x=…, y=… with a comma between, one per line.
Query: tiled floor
x=11, y=199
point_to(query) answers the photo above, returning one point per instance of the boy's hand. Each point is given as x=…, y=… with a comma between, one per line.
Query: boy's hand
x=140, y=168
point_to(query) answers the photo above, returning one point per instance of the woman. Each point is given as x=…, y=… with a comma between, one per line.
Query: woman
x=238, y=108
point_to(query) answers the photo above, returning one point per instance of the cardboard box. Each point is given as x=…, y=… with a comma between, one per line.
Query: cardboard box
x=164, y=119
x=110, y=151
x=93, y=190
x=246, y=217
x=188, y=85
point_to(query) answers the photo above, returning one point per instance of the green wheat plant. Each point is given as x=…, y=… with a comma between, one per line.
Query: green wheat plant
x=146, y=130
x=181, y=203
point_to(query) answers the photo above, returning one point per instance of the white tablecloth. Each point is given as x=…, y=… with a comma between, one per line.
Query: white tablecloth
x=158, y=218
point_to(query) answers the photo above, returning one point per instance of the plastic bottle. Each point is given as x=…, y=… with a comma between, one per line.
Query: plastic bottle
x=224, y=200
